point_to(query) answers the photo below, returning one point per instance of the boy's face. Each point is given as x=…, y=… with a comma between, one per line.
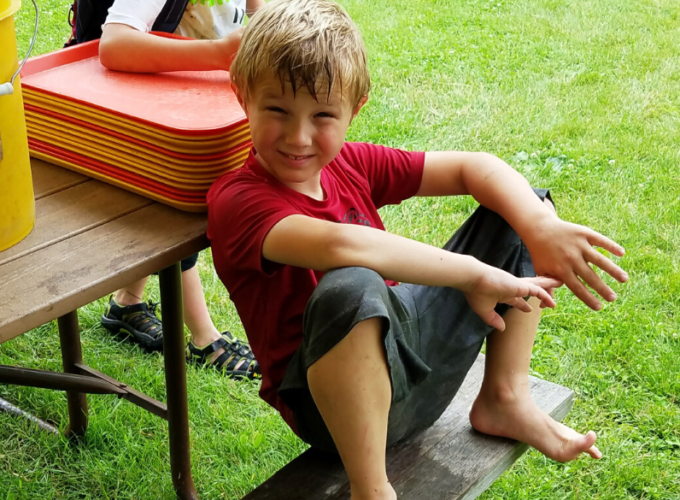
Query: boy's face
x=296, y=136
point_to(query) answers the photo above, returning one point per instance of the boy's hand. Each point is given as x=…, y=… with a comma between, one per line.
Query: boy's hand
x=498, y=286
x=564, y=251
x=228, y=46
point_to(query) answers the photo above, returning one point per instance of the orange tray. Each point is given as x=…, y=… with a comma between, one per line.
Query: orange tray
x=89, y=114
x=180, y=205
x=137, y=161
x=193, y=103
x=189, y=204
x=81, y=128
x=87, y=164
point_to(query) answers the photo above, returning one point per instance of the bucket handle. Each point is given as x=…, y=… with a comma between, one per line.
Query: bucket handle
x=8, y=88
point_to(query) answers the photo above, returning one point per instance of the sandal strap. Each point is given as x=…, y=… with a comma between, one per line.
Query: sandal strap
x=236, y=354
x=203, y=352
x=237, y=346
x=231, y=360
x=143, y=317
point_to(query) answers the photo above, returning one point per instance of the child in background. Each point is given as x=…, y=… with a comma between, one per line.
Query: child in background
x=127, y=45
x=353, y=360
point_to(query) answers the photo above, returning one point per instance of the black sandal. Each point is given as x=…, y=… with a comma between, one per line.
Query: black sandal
x=236, y=353
x=137, y=322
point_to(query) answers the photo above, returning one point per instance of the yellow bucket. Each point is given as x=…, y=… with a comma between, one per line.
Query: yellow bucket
x=17, y=205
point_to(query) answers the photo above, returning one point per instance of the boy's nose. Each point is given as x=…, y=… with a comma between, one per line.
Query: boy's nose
x=299, y=135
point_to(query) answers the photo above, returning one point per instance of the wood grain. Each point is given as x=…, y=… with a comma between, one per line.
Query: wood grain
x=90, y=239
x=71, y=211
x=448, y=461
x=49, y=179
x=75, y=271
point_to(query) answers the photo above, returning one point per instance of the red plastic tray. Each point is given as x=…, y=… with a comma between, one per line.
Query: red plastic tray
x=187, y=103
x=125, y=176
x=226, y=153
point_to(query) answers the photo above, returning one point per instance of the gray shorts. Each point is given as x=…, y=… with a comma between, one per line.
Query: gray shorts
x=432, y=337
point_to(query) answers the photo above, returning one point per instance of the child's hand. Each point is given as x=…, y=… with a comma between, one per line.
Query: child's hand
x=564, y=251
x=496, y=286
x=228, y=46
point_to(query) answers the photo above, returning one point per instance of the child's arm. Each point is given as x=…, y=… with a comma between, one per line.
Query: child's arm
x=558, y=248
x=124, y=48
x=302, y=241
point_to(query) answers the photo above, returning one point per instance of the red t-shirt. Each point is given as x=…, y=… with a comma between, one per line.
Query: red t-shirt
x=271, y=298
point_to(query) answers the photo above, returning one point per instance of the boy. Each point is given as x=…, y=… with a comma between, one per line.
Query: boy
x=352, y=360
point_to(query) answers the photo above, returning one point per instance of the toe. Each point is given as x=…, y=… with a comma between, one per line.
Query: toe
x=589, y=445
x=595, y=452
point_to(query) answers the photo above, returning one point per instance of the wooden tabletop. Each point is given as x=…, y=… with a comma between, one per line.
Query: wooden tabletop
x=89, y=239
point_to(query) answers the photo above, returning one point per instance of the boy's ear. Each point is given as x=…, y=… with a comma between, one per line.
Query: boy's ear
x=362, y=101
x=238, y=95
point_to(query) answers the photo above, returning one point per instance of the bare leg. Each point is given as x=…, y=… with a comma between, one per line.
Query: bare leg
x=131, y=294
x=351, y=387
x=196, y=314
x=504, y=406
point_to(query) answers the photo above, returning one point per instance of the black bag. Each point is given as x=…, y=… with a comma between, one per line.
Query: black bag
x=86, y=18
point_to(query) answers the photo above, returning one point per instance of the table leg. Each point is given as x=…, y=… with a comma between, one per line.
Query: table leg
x=69, y=338
x=170, y=280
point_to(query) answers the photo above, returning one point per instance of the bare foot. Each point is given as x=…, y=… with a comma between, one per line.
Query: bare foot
x=522, y=420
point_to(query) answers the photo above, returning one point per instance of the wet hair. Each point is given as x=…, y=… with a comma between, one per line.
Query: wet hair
x=311, y=44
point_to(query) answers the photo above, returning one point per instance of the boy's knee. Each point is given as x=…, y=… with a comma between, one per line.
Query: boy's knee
x=343, y=297
x=347, y=286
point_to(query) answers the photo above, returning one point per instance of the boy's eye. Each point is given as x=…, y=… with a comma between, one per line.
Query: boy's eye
x=275, y=109
x=324, y=115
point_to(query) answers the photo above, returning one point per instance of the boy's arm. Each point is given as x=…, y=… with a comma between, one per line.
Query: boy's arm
x=302, y=241
x=558, y=248
x=124, y=48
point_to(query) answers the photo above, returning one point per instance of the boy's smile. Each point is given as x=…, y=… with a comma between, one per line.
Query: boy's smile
x=295, y=135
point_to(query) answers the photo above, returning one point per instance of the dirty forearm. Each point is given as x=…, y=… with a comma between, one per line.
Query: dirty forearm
x=497, y=186
x=125, y=49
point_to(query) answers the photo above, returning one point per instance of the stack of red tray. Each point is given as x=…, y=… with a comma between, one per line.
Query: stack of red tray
x=165, y=136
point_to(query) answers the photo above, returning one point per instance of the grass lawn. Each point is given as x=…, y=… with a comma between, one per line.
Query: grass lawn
x=581, y=97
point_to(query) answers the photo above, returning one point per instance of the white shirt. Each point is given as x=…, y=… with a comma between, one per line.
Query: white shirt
x=200, y=20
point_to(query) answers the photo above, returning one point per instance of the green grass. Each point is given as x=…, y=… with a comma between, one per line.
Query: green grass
x=581, y=97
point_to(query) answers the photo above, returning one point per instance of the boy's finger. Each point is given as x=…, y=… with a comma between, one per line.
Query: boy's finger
x=599, y=240
x=607, y=266
x=590, y=277
x=546, y=282
x=543, y=295
x=519, y=303
x=495, y=321
x=574, y=284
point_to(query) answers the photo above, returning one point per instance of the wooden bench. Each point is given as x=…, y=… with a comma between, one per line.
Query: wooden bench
x=90, y=239
x=448, y=461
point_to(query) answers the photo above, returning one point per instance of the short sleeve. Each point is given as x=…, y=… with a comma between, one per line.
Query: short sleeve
x=138, y=14
x=240, y=215
x=393, y=175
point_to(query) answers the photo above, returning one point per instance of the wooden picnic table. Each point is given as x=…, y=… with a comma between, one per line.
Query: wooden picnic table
x=90, y=239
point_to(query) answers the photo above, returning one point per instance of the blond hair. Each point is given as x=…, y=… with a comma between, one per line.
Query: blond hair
x=305, y=43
